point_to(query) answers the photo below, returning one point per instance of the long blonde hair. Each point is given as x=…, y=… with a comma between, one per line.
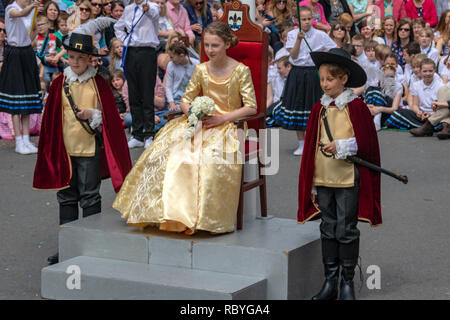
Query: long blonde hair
x=113, y=56
x=281, y=16
x=74, y=21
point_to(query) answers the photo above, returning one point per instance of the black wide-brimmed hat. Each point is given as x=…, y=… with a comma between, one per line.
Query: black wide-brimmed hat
x=357, y=76
x=81, y=43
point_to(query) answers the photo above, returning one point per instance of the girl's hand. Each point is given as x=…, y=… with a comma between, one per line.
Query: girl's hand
x=425, y=115
x=330, y=147
x=196, y=27
x=157, y=119
x=122, y=116
x=85, y=114
x=212, y=121
x=103, y=51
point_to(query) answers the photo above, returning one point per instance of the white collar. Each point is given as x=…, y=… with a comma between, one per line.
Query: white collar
x=72, y=76
x=341, y=100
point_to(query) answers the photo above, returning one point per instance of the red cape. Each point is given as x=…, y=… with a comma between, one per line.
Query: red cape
x=369, y=209
x=53, y=166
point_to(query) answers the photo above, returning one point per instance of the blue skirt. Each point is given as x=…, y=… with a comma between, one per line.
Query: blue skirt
x=20, y=88
x=301, y=92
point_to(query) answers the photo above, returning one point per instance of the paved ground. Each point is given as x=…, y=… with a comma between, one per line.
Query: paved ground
x=411, y=248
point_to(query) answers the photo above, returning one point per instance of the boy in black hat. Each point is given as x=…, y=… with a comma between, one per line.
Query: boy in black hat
x=82, y=140
x=340, y=125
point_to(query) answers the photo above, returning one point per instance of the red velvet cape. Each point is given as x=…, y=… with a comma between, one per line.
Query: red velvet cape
x=369, y=209
x=53, y=167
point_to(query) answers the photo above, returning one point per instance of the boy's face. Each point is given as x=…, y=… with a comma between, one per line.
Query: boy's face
x=424, y=41
x=117, y=12
x=367, y=32
x=427, y=71
x=406, y=56
x=330, y=85
x=359, y=47
x=416, y=70
x=305, y=20
x=42, y=26
x=390, y=62
x=62, y=26
x=370, y=54
x=78, y=61
x=416, y=29
x=282, y=70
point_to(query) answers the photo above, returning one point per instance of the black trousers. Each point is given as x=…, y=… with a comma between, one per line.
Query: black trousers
x=140, y=68
x=84, y=188
x=338, y=229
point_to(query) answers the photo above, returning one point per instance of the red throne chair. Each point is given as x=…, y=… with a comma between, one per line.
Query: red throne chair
x=252, y=50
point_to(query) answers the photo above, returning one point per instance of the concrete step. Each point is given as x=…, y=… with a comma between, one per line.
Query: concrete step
x=98, y=278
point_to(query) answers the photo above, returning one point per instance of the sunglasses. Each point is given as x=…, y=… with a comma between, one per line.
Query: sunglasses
x=200, y=3
x=107, y=4
x=2, y=30
x=404, y=29
x=340, y=28
x=97, y=4
x=282, y=1
x=85, y=9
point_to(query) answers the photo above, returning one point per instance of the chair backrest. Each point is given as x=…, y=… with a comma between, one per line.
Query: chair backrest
x=252, y=50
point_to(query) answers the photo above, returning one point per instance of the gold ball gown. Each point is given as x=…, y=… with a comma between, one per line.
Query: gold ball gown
x=181, y=184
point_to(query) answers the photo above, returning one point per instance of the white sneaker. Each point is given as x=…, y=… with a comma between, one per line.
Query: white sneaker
x=135, y=143
x=31, y=147
x=298, y=151
x=148, y=142
x=22, y=148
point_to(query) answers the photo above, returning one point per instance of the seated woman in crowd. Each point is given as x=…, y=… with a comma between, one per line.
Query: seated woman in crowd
x=51, y=11
x=424, y=9
x=333, y=9
x=442, y=34
x=366, y=30
x=338, y=33
x=388, y=32
x=282, y=14
x=199, y=15
x=404, y=36
x=391, y=8
x=361, y=9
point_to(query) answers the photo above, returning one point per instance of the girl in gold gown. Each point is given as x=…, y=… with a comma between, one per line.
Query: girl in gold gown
x=182, y=184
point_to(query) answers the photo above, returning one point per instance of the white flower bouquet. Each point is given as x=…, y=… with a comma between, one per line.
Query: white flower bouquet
x=201, y=106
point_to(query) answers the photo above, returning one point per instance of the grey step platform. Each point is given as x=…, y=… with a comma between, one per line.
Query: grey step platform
x=282, y=251
x=114, y=279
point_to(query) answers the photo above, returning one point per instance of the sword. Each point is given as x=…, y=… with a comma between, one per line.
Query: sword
x=358, y=160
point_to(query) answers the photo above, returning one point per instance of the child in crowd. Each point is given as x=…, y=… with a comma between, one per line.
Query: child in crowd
x=19, y=76
x=338, y=191
x=283, y=51
x=444, y=68
x=358, y=42
x=117, y=81
x=115, y=55
x=179, y=19
x=276, y=85
x=387, y=97
x=423, y=93
x=411, y=50
x=425, y=41
x=302, y=87
x=418, y=24
x=74, y=154
x=372, y=66
x=178, y=74
x=61, y=34
x=46, y=45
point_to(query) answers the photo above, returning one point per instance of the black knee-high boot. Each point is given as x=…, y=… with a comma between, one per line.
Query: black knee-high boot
x=330, y=252
x=348, y=256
